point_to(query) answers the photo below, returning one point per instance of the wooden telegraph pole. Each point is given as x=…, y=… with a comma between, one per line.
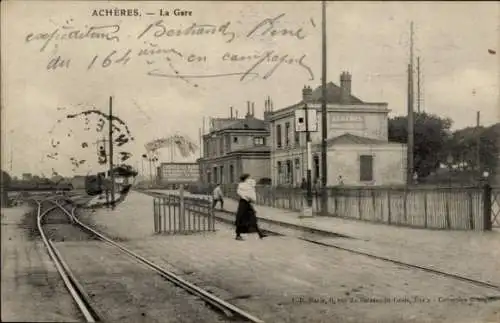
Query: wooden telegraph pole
x=111, y=172
x=478, y=144
x=411, y=122
x=418, y=85
x=324, y=132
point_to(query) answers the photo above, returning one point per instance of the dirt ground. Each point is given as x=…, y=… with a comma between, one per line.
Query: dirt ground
x=120, y=288
x=31, y=288
x=125, y=291
x=283, y=279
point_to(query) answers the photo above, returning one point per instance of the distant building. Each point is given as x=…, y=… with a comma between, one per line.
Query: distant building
x=78, y=182
x=235, y=146
x=357, y=138
x=177, y=173
x=27, y=176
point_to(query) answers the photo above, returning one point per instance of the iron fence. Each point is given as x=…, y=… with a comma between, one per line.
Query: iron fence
x=448, y=208
x=174, y=214
x=495, y=207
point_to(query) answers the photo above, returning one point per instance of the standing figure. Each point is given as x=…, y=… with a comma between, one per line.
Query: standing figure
x=246, y=217
x=218, y=197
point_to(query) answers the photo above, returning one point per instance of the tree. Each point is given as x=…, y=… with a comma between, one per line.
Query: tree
x=431, y=135
x=463, y=146
x=184, y=145
x=5, y=182
x=5, y=179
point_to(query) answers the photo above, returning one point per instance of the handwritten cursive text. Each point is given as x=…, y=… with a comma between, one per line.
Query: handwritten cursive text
x=104, y=32
x=267, y=27
x=159, y=29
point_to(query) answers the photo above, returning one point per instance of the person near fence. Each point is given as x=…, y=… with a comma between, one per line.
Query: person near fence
x=246, y=217
x=218, y=197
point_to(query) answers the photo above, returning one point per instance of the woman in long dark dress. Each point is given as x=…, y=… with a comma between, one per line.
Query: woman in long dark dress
x=246, y=217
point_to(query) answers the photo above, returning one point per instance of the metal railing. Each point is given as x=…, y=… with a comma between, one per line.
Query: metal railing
x=432, y=207
x=495, y=207
x=178, y=214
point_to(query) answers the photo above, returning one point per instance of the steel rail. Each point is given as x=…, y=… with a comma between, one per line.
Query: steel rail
x=228, y=309
x=407, y=265
x=97, y=316
x=362, y=253
x=73, y=290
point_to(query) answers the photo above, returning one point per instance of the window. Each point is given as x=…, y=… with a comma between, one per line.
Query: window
x=221, y=174
x=278, y=136
x=258, y=141
x=235, y=140
x=297, y=138
x=289, y=173
x=221, y=145
x=205, y=149
x=215, y=175
x=297, y=163
x=366, y=168
x=231, y=173
x=316, y=167
x=278, y=165
x=228, y=143
x=287, y=134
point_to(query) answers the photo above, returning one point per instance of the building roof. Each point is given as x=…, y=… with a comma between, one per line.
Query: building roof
x=248, y=123
x=350, y=139
x=332, y=95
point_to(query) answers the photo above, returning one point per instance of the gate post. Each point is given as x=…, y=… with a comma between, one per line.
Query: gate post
x=211, y=216
x=487, y=207
x=181, y=208
x=155, y=216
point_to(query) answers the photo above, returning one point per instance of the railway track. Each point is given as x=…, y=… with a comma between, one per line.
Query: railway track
x=219, y=216
x=47, y=205
x=434, y=271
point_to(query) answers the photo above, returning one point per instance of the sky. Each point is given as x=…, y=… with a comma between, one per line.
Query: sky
x=46, y=75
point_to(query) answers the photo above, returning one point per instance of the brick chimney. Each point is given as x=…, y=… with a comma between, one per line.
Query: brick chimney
x=248, y=110
x=307, y=94
x=268, y=109
x=345, y=88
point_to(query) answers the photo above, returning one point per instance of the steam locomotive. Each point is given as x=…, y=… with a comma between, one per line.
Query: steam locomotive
x=98, y=184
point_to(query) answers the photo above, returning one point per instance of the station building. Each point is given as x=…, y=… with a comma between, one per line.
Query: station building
x=234, y=146
x=358, y=152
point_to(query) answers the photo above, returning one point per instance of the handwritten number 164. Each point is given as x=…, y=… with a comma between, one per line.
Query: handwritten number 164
x=110, y=59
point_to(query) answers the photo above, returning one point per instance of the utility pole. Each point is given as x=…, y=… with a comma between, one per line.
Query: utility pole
x=418, y=84
x=111, y=172
x=410, y=146
x=478, y=143
x=309, y=159
x=11, y=156
x=324, y=134
x=200, y=140
x=150, y=159
x=11, y=150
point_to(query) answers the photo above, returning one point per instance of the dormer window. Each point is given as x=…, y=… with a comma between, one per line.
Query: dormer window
x=259, y=141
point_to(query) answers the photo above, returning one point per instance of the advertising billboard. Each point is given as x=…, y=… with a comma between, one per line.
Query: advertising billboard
x=179, y=172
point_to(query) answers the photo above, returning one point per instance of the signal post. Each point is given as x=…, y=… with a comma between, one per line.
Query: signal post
x=306, y=121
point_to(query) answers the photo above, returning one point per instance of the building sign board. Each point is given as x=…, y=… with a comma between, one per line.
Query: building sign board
x=347, y=121
x=180, y=172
